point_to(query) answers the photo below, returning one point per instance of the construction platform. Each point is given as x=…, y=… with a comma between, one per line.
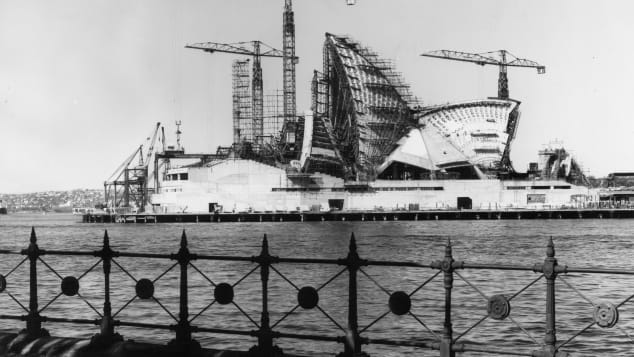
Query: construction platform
x=432, y=215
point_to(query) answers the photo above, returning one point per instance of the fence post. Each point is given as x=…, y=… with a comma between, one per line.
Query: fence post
x=106, y=335
x=446, y=265
x=352, y=346
x=550, y=338
x=550, y=269
x=33, y=319
x=184, y=344
x=265, y=334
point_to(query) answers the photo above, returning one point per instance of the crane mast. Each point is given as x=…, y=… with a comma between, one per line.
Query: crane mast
x=290, y=110
x=257, y=95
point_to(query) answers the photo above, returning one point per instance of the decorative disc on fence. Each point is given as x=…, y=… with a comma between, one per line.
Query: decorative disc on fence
x=3, y=283
x=606, y=315
x=400, y=303
x=223, y=293
x=70, y=286
x=307, y=297
x=445, y=265
x=498, y=307
x=144, y=289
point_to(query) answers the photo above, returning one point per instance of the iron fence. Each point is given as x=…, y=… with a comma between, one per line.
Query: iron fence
x=352, y=336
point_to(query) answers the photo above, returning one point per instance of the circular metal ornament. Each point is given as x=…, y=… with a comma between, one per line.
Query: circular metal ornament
x=307, y=297
x=400, y=303
x=70, y=286
x=144, y=289
x=223, y=293
x=3, y=283
x=606, y=315
x=445, y=265
x=498, y=307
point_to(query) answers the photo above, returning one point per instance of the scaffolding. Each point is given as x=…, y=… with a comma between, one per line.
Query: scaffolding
x=273, y=117
x=242, y=100
x=319, y=91
x=364, y=101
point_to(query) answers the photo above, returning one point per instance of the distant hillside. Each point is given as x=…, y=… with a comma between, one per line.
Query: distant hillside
x=60, y=201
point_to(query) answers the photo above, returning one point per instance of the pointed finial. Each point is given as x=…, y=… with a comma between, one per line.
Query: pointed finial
x=448, y=248
x=353, y=243
x=106, y=240
x=550, y=248
x=184, y=240
x=33, y=237
x=265, y=244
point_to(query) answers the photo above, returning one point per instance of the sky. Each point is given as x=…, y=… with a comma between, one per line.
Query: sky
x=83, y=82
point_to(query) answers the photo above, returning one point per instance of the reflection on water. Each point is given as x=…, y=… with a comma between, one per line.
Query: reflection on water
x=600, y=243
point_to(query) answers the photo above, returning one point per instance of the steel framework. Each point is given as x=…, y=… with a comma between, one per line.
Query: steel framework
x=365, y=101
x=242, y=103
x=127, y=187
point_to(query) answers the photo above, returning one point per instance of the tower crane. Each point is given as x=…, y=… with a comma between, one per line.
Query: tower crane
x=501, y=58
x=257, y=50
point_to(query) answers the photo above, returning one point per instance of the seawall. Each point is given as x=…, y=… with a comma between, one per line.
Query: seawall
x=367, y=216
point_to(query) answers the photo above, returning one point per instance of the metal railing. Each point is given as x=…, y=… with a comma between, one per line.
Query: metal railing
x=352, y=336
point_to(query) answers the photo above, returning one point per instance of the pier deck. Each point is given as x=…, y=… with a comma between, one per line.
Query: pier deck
x=588, y=213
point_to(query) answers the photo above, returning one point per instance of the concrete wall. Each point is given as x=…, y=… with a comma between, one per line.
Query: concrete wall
x=242, y=185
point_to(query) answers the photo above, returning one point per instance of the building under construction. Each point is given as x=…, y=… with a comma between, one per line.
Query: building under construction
x=365, y=133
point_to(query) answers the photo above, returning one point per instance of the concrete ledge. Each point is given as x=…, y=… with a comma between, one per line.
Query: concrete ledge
x=13, y=344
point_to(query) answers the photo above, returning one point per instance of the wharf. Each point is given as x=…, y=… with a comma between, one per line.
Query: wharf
x=371, y=216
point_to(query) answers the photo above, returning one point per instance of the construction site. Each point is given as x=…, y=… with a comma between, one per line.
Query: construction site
x=365, y=132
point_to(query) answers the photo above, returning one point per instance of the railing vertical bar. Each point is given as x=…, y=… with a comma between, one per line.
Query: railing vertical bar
x=550, y=338
x=183, y=344
x=446, y=341
x=33, y=320
x=106, y=335
x=353, y=342
x=265, y=346
x=550, y=269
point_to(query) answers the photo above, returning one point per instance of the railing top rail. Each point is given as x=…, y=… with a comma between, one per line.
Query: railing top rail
x=398, y=264
x=592, y=270
x=144, y=255
x=67, y=252
x=339, y=261
x=518, y=267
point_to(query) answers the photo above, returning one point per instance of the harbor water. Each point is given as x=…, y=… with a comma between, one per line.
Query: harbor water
x=578, y=243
